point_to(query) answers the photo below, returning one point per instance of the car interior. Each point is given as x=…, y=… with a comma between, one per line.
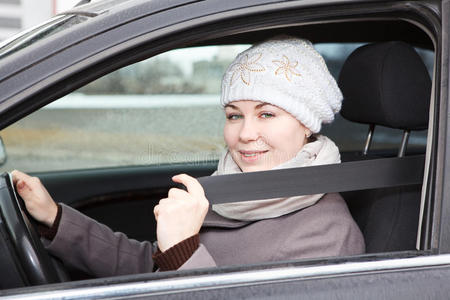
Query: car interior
x=387, y=90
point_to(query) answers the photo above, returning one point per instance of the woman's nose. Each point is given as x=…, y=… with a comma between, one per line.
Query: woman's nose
x=249, y=131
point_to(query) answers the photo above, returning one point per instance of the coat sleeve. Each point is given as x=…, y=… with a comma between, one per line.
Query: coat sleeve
x=200, y=259
x=91, y=247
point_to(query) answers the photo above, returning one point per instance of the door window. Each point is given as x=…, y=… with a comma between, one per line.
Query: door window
x=159, y=111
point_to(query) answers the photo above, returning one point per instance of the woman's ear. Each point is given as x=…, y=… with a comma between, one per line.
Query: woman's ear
x=308, y=133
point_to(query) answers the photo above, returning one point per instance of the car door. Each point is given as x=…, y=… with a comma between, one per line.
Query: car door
x=123, y=193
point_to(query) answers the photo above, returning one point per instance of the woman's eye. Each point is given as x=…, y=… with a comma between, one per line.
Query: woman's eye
x=266, y=115
x=234, y=117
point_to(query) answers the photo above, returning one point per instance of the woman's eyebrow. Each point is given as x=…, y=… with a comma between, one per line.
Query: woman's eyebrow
x=231, y=106
x=261, y=105
x=256, y=106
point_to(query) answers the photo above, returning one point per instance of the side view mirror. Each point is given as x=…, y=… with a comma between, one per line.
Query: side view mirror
x=2, y=152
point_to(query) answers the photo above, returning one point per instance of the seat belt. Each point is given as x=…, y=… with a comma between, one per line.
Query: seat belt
x=343, y=177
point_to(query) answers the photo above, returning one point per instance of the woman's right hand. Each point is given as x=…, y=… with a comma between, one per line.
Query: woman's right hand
x=181, y=214
x=37, y=200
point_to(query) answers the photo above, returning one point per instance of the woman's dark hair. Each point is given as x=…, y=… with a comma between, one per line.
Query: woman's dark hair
x=311, y=138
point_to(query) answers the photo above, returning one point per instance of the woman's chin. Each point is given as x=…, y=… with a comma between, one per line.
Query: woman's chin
x=254, y=168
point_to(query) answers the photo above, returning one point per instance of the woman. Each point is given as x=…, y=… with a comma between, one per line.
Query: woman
x=275, y=95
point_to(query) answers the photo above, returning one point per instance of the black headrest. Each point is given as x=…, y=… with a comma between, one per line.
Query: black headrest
x=386, y=84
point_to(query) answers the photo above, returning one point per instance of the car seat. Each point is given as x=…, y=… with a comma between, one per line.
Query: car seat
x=386, y=84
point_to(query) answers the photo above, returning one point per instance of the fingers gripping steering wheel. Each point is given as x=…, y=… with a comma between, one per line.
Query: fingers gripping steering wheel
x=35, y=263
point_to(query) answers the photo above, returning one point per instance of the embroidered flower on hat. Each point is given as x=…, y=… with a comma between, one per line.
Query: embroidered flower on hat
x=245, y=66
x=286, y=67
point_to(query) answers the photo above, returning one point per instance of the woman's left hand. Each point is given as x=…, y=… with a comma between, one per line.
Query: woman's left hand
x=181, y=214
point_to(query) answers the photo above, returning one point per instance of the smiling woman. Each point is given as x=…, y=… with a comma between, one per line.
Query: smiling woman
x=271, y=116
x=107, y=151
x=260, y=136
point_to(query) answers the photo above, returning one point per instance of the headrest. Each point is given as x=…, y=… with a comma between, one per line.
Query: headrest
x=386, y=84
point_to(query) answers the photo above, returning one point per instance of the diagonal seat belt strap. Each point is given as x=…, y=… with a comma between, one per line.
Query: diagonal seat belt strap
x=348, y=176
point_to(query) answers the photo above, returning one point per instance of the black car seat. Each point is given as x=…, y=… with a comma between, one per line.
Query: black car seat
x=386, y=84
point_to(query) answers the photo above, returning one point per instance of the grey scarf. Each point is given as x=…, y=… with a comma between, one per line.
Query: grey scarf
x=320, y=152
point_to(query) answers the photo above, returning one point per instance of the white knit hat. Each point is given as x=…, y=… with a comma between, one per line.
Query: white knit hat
x=289, y=73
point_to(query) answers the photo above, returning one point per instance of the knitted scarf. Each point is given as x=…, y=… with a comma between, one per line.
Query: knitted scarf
x=320, y=152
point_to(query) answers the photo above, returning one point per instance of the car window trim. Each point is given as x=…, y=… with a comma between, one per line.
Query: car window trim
x=235, y=279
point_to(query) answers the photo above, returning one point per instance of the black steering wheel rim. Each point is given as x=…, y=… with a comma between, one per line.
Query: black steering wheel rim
x=35, y=262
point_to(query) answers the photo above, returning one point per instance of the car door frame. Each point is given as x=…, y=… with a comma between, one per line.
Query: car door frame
x=55, y=85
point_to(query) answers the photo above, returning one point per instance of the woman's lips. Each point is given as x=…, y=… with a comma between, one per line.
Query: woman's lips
x=251, y=156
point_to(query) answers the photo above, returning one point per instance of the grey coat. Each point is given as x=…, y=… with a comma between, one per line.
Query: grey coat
x=322, y=230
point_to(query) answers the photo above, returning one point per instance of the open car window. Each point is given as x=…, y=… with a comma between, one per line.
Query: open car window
x=163, y=110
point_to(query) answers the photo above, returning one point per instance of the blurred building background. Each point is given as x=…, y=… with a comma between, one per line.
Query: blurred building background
x=17, y=15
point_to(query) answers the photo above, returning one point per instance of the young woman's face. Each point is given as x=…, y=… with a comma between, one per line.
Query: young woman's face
x=261, y=136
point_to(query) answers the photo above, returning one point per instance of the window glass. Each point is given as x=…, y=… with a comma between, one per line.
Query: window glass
x=161, y=110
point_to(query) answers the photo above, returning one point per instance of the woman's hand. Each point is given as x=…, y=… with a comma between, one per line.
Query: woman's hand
x=37, y=200
x=181, y=214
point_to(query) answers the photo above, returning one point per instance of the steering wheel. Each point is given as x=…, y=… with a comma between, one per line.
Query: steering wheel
x=35, y=262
